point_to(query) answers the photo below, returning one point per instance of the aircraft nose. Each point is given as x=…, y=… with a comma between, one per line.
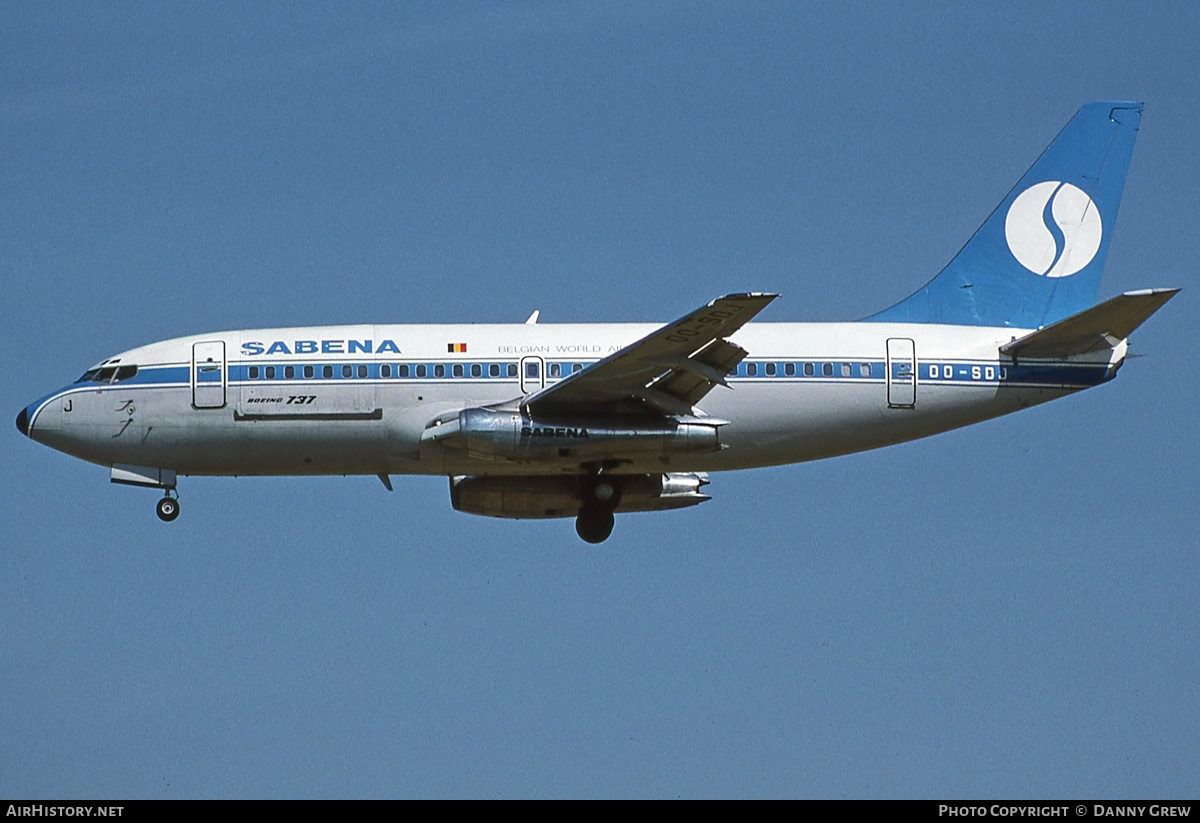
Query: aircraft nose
x=23, y=422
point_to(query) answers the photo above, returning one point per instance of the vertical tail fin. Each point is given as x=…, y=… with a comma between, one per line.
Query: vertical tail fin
x=1039, y=256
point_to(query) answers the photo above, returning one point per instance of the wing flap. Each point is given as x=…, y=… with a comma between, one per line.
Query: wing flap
x=669, y=370
x=692, y=378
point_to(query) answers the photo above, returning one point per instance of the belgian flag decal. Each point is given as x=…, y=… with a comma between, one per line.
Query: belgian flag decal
x=452, y=348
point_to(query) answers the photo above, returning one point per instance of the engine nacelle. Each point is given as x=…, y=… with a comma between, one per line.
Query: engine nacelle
x=499, y=436
x=564, y=495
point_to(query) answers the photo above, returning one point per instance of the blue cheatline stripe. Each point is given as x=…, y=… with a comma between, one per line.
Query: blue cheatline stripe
x=931, y=372
x=964, y=372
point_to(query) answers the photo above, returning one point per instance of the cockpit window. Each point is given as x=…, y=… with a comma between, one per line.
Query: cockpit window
x=108, y=374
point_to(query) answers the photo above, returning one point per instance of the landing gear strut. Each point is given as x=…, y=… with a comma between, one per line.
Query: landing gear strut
x=167, y=508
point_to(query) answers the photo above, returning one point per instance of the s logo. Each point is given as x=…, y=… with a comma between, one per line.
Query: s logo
x=1053, y=229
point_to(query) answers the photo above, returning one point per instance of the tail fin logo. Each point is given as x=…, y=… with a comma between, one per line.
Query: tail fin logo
x=1053, y=229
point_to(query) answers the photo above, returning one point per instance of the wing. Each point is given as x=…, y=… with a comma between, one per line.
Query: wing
x=668, y=371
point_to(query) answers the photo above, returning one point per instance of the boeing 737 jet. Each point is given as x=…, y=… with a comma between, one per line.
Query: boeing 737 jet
x=588, y=420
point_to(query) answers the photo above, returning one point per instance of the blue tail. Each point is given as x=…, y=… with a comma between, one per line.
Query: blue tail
x=1039, y=256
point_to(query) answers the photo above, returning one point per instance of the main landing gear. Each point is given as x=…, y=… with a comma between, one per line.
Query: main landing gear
x=595, y=521
x=167, y=508
x=594, y=526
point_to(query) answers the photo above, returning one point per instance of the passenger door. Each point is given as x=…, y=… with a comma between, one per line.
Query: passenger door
x=208, y=374
x=901, y=373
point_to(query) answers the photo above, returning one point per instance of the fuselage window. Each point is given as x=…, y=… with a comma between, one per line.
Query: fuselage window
x=476, y=370
x=576, y=367
x=270, y=370
x=751, y=369
x=531, y=369
x=458, y=370
x=254, y=372
x=808, y=369
x=864, y=369
x=289, y=372
x=362, y=370
x=494, y=370
x=770, y=370
x=789, y=369
x=827, y=369
x=555, y=370
x=439, y=370
x=512, y=369
x=327, y=372
x=402, y=370
x=385, y=370
x=308, y=372
x=421, y=370
x=845, y=370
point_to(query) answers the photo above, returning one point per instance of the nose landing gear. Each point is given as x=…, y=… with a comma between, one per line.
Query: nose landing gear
x=154, y=478
x=167, y=508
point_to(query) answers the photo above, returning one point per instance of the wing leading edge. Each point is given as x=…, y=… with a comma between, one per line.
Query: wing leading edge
x=668, y=371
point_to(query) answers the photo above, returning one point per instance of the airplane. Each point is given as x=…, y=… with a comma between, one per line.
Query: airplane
x=590, y=420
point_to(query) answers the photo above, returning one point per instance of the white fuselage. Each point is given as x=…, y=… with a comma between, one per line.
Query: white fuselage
x=357, y=399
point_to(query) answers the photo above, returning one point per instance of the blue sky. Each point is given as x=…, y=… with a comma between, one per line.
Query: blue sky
x=1005, y=610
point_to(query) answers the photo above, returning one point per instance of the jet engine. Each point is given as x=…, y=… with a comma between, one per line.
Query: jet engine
x=486, y=434
x=567, y=495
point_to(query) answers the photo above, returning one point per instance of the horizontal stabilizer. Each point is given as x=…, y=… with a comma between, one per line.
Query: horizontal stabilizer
x=1100, y=327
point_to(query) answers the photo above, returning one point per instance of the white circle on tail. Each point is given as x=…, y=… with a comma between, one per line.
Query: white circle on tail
x=1036, y=245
